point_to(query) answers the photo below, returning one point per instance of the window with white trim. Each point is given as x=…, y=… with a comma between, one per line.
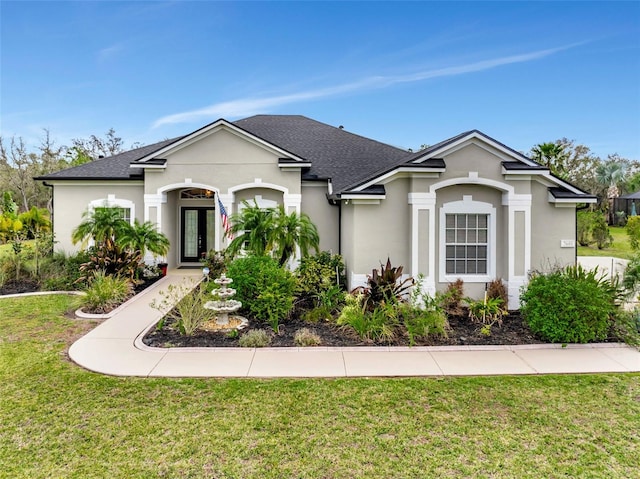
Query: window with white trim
x=467, y=243
x=125, y=213
x=466, y=249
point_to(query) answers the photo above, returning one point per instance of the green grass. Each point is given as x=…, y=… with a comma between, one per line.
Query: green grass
x=57, y=420
x=619, y=249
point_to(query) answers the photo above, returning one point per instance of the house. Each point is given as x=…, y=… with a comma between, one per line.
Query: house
x=468, y=207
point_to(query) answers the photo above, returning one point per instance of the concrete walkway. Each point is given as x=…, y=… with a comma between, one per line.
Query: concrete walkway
x=115, y=347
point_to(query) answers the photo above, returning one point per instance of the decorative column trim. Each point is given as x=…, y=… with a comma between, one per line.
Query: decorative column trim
x=423, y=201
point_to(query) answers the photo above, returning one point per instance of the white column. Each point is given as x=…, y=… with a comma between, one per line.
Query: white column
x=418, y=202
x=228, y=201
x=517, y=203
x=292, y=202
x=154, y=201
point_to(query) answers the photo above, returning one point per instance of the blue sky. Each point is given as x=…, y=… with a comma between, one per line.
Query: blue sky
x=403, y=73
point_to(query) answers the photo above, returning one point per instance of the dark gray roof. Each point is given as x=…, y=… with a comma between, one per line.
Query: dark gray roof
x=349, y=160
x=334, y=153
x=518, y=166
x=631, y=196
x=114, y=167
x=563, y=193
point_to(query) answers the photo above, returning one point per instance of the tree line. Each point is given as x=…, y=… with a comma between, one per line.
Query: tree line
x=19, y=164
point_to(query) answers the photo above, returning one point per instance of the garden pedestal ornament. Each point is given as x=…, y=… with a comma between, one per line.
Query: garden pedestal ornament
x=224, y=306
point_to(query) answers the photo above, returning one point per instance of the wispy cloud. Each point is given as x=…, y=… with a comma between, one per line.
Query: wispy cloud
x=109, y=52
x=252, y=106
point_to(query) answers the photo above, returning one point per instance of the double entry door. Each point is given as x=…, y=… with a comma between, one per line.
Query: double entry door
x=198, y=228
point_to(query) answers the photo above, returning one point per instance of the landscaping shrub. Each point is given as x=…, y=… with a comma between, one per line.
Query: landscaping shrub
x=256, y=338
x=385, y=286
x=422, y=323
x=486, y=311
x=106, y=293
x=62, y=273
x=632, y=274
x=451, y=300
x=497, y=289
x=189, y=312
x=264, y=288
x=317, y=275
x=217, y=262
x=375, y=325
x=306, y=337
x=585, y=220
x=570, y=305
x=114, y=260
x=633, y=231
x=600, y=231
x=626, y=327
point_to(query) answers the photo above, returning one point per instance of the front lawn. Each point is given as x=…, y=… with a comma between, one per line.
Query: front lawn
x=57, y=420
x=620, y=248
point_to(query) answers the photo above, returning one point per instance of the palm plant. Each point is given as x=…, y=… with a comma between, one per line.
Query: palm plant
x=252, y=230
x=143, y=237
x=271, y=231
x=36, y=221
x=609, y=175
x=551, y=155
x=103, y=225
x=293, y=231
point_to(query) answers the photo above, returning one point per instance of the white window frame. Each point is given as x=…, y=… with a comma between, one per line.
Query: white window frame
x=112, y=202
x=468, y=206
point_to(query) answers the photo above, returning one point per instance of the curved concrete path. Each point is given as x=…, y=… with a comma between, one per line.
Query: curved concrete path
x=115, y=347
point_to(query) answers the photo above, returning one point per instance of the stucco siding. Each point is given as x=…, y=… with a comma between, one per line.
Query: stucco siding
x=322, y=214
x=550, y=225
x=70, y=201
x=382, y=231
x=222, y=160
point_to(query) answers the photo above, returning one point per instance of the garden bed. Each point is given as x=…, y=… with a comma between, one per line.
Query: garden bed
x=462, y=332
x=30, y=286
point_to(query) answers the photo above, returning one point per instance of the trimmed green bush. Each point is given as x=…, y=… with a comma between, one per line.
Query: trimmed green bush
x=264, y=288
x=570, y=305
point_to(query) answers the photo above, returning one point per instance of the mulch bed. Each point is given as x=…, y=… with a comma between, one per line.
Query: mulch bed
x=463, y=332
x=30, y=286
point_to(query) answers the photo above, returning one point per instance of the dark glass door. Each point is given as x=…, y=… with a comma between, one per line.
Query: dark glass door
x=197, y=232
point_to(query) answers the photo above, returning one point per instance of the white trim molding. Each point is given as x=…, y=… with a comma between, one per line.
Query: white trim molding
x=468, y=206
x=423, y=202
x=112, y=202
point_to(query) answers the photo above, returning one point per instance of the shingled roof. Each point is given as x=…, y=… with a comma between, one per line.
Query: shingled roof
x=349, y=160
x=114, y=167
x=334, y=153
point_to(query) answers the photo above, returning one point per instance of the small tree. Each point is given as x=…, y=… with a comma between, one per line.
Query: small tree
x=600, y=232
x=143, y=237
x=633, y=231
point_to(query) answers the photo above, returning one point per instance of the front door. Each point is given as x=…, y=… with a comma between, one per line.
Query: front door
x=197, y=232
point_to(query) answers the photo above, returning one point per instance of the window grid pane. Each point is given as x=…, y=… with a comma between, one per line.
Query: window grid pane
x=466, y=239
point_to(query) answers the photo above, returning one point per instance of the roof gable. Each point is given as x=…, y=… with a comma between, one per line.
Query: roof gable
x=209, y=129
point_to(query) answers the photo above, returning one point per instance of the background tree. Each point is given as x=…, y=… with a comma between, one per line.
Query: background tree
x=95, y=147
x=19, y=164
x=551, y=155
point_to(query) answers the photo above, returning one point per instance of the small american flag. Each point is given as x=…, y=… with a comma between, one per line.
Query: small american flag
x=225, y=219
